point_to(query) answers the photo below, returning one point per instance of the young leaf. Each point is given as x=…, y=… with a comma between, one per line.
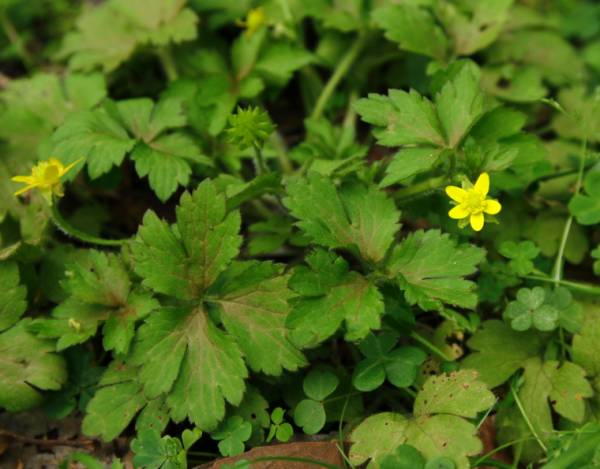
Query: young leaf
x=232, y=434
x=586, y=207
x=153, y=452
x=328, y=294
x=185, y=259
x=353, y=217
x=430, y=267
x=28, y=366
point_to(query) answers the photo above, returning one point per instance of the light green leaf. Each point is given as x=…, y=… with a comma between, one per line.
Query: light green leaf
x=328, y=294
x=414, y=28
x=402, y=117
x=459, y=393
x=430, y=267
x=13, y=302
x=586, y=207
x=353, y=217
x=310, y=416
x=500, y=351
x=409, y=162
x=27, y=365
x=183, y=260
x=460, y=103
x=320, y=383
x=390, y=429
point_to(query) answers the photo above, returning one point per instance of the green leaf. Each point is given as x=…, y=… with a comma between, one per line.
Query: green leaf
x=189, y=345
x=153, y=452
x=499, y=351
x=405, y=457
x=183, y=260
x=414, y=28
x=231, y=435
x=320, y=383
x=99, y=292
x=401, y=365
x=352, y=217
x=460, y=103
x=310, y=416
x=430, y=267
x=27, y=365
x=531, y=309
x=252, y=300
x=116, y=402
x=459, y=393
x=521, y=255
x=402, y=117
x=473, y=25
x=519, y=84
x=132, y=24
x=409, y=162
x=13, y=295
x=328, y=294
x=586, y=343
x=586, y=207
x=279, y=61
x=390, y=429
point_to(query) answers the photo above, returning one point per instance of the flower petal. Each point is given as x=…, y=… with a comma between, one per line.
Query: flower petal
x=67, y=168
x=458, y=212
x=25, y=189
x=492, y=207
x=24, y=179
x=456, y=193
x=482, y=185
x=476, y=221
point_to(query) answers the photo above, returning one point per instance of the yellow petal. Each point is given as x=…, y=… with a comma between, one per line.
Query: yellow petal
x=476, y=221
x=458, y=212
x=492, y=207
x=24, y=179
x=456, y=193
x=483, y=183
x=68, y=167
x=25, y=189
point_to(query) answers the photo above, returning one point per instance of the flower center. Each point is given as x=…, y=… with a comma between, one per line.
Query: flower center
x=51, y=175
x=474, y=201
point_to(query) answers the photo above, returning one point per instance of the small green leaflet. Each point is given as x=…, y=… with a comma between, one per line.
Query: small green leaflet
x=27, y=365
x=399, y=365
x=359, y=219
x=232, y=434
x=309, y=413
x=191, y=260
x=13, y=295
x=328, y=293
x=521, y=255
x=144, y=130
x=183, y=260
x=99, y=292
x=132, y=23
x=407, y=118
x=437, y=427
x=430, y=267
x=153, y=452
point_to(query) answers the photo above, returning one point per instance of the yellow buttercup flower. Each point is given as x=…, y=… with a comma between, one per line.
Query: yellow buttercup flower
x=45, y=176
x=255, y=19
x=471, y=202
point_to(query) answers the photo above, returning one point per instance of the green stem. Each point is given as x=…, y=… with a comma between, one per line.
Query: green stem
x=340, y=70
x=259, y=163
x=167, y=62
x=575, y=286
x=419, y=189
x=70, y=230
x=280, y=149
x=527, y=421
x=488, y=455
x=423, y=341
x=558, y=263
x=16, y=40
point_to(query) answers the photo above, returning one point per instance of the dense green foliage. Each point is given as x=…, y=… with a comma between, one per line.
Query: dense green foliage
x=245, y=234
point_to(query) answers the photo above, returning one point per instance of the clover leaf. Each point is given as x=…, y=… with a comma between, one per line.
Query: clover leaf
x=586, y=207
x=310, y=413
x=521, y=255
x=232, y=434
x=153, y=452
x=531, y=310
x=399, y=365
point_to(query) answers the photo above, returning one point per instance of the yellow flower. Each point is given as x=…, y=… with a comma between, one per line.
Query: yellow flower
x=255, y=19
x=46, y=177
x=471, y=202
